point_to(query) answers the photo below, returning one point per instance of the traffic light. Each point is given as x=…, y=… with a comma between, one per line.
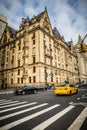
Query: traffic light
x=82, y=48
x=85, y=47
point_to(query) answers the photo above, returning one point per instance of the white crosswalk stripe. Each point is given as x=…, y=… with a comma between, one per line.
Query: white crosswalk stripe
x=7, y=103
x=4, y=101
x=27, y=118
x=14, y=107
x=48, y=122
x=34, y=106
x=79, y=120
x=26, y=110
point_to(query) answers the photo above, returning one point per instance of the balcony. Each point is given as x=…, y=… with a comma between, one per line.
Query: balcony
x=25, y=47
x=48, y=55
x=25, y=76
x=25, y=55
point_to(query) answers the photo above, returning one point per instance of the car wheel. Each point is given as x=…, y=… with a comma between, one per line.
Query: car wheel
x=70, y=92
x=35, y=91
x=77, y=91
x=23, y=93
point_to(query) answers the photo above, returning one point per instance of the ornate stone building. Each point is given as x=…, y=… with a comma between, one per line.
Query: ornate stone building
x=82, y=62
x=3, y=22
x=36, y=54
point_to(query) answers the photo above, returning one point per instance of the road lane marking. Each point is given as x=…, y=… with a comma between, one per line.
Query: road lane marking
x=70, y=103
x=4, y=101
x=26, y=110
x=14, y=104
x=79, y=120
x=80, y=103
x=6, y=92
x=78, y=98
x=83, y=97
x=7, y=103
x=14, y=107
x=51, y=120
x=27, y=118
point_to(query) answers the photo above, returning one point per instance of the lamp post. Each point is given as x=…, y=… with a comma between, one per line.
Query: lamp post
x=45, y=72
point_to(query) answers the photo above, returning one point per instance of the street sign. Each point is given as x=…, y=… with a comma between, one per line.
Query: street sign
x=50, y=74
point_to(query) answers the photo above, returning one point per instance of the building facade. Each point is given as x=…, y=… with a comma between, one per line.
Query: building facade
x=36, y=54
x=3, y=22
x=82, y=62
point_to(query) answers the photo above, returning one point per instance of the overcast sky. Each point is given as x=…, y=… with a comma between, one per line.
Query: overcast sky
x=69, y=16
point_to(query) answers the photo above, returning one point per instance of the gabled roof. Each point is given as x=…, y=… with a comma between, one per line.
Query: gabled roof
x=39, y=16
x=29, y=21
x=69, y=43
x=12, y=30
x=56, y=32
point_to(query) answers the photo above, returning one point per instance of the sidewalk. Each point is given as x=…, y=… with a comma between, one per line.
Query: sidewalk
x=6, y=91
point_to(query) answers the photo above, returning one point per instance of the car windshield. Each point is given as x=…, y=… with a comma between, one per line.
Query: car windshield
x=63, y=85
x=25, y=87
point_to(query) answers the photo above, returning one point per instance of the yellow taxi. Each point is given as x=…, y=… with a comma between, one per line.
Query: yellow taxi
x=66, y=89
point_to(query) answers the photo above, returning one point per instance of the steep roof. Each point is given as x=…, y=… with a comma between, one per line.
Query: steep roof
x=39, y=16
x=69, y=43
x=56, y=32
x=12, y=30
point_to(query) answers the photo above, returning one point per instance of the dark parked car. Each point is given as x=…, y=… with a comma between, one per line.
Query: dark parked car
x=25, y=90
x=42, y=88
x=78, y=85
x=84, y=85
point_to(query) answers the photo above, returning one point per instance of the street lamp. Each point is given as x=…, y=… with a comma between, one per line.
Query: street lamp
x=45, y=71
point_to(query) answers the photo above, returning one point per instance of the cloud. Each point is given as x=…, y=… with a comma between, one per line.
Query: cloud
x=69, y=16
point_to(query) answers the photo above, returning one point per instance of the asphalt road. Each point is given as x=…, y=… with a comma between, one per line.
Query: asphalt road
x=43, y=110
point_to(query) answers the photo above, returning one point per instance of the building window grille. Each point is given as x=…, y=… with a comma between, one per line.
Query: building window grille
x=34, y=59
x=34, y=35
x=18, y=62
x=19, y=55
x=26, y=60
x=34, y=69
x=34, y=79
x=19, y=47
x=26, y=44
x=43, y=35
x=12, y=58
x=26, y=52
x=18, y=71
x=7, y=59
x=12, y=74
x=22, y=80
x=33, y=50
x=13, y=51
x=11, y=81
x=29, y=79
x=33, y=42
x=18, y=80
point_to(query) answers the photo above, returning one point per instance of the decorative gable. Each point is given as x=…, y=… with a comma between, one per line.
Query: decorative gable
x=45, y=22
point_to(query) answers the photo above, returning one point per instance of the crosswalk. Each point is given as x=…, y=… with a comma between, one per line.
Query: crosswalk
x=10, y=109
